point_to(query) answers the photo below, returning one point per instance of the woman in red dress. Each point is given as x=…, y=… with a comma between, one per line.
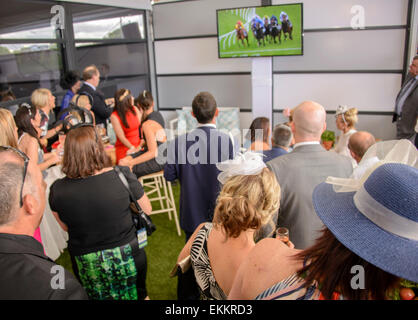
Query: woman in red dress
x=126, y=120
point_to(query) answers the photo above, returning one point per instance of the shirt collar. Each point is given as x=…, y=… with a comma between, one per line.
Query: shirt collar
x=206, y=125
x=90, y=85
x=350, y=132
x=17, y=243
x=305, y=143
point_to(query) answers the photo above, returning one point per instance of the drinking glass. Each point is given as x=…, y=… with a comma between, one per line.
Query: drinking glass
x=102, y=129
x=282, y=234
x=61, y=139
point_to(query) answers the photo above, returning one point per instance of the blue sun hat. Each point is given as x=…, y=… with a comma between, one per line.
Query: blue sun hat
x=379, y=221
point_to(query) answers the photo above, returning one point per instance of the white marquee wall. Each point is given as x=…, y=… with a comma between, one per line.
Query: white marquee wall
x=362, y=68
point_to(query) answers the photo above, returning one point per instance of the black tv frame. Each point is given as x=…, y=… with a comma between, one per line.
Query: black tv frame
x=272, y=56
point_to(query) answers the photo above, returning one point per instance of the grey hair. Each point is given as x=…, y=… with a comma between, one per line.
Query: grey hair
x=11, y=175
x=282, y=136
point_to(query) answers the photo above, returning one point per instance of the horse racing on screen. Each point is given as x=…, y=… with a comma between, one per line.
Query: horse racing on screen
x=260, y=31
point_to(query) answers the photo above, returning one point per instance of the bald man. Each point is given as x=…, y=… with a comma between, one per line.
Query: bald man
x=359, y=143
x=301, y=170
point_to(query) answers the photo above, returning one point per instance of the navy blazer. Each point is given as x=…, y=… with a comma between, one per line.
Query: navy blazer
x=273, y=153
x=192, y=159
x=99, y=107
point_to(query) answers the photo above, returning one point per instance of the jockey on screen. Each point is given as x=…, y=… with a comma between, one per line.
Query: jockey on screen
x=240, y=25
x=256, y=19
x=285, y=17
x=266, y=20
x=273, y=20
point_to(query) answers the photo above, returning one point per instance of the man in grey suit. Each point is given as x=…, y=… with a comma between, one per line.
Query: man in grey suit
x=301, y=170
x=406, y=106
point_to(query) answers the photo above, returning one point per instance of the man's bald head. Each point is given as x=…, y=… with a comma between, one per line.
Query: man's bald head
x=359, y=143
x=309, y=121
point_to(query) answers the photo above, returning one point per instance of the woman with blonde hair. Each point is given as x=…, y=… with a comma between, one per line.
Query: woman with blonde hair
x=249, y=197
x=8, y=129
x=346, y=119
x=43, y=100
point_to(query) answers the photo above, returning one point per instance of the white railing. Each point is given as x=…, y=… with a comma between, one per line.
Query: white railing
x=246, y=15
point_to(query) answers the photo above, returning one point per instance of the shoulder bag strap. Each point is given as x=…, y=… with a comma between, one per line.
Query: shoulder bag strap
x=126, y=184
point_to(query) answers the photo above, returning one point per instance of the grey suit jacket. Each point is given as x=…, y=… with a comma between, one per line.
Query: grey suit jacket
x=405, y=126
x=298, y=173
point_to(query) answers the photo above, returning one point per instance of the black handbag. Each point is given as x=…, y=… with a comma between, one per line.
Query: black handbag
x=139, y=217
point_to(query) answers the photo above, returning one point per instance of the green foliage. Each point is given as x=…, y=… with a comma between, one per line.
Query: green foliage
x=328, y=135
x=395, y=295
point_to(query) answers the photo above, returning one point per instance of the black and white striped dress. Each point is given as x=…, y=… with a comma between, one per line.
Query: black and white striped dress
x=209, y=288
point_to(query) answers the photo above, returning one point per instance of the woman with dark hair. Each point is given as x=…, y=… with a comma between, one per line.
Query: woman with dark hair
x=152, y=132
x=28, y=120
x=92, y=203
x=125, y=120
x=259, y=134
x=368, y=245
x=71, y=82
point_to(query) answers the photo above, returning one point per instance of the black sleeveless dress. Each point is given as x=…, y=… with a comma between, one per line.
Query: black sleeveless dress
x=150, y=166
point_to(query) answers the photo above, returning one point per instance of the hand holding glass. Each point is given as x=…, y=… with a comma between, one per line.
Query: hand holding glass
x=282, y=234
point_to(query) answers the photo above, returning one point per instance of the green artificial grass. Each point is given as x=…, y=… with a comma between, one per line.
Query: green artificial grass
x=162, y=250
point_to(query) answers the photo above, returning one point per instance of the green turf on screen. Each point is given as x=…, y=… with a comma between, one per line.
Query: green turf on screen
x=229, y=47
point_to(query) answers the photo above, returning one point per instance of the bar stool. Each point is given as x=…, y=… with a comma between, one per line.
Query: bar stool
x=163, y=193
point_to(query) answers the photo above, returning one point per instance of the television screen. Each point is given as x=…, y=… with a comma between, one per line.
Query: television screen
x=260, y=31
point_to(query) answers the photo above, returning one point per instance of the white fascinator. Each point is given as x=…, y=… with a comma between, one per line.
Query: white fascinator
x=248, y=163
x=393, y=151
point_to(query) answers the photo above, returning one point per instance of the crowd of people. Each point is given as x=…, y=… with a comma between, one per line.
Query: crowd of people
x=353, y=206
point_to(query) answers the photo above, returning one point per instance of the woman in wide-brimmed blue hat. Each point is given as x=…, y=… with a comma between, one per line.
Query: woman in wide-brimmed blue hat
x=369, y=244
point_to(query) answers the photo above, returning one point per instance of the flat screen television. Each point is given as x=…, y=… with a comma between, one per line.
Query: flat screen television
x=260, y=31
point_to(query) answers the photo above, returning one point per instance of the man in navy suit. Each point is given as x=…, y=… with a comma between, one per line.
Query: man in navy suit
x=280, y=142
x=192, y=159
x=101, y=107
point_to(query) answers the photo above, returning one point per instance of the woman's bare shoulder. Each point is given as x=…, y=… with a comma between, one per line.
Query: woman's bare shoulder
x=269, y=262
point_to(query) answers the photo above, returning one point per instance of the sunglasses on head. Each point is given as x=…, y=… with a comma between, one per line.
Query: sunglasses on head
x=25, y=167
